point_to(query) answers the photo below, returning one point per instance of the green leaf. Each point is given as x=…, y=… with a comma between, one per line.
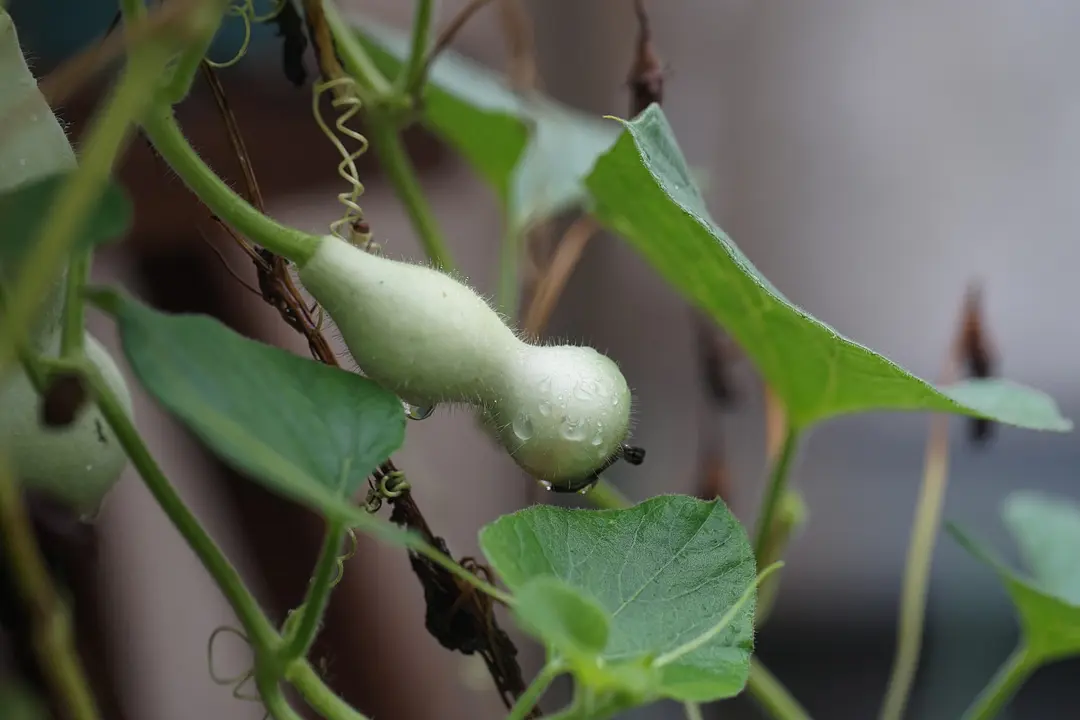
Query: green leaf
x=665, y=571
x=571, y=623
x=533, y=151
x=23, y=209
x=643, y=190
x=310, y=432
x=1047, y=530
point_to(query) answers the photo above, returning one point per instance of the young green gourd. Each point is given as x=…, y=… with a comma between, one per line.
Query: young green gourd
x=80, y=462
x=562, y=412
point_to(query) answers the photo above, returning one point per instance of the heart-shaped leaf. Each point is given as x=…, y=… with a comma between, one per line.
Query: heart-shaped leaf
x=533, y=151
x=665, y=571
x=307, y=431
x=643, y=190
x=572, y=624
x=1047, y=530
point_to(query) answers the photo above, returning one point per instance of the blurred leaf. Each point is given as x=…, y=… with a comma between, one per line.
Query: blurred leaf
x=17, y=702
x=1047, y=530
x=665, y=571
x=571, y=623
x=533, y=151
x=643, y=190
x=310, y=432
x=23, y=209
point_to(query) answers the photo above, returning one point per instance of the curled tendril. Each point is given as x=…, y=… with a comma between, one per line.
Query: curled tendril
x=358, y=231
x=385, y=486
x=345, y=558
x=246, y=12
x=237, y=682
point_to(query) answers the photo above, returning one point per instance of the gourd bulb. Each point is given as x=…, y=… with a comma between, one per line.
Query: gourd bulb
x=562, y=412
x=77, y=464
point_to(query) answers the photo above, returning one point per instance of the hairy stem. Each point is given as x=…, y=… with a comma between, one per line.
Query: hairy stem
x=299, y=640
x=52, y=627
x=772, y=696
x=693, y=711
x=992, y=700
x=412, y=75
x=315, y=692
x=73, y=329
x=778, y=480
x=353, y=56
x=606, y=496
x=161, y=128
x=535, y=691
x=258, y=629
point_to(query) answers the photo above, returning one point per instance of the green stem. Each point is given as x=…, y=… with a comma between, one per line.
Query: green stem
x=315, y=692
x=1012, y=674
x=535, y=691
x=353, y=56
x=187, y=65
x=105, y=141
x=399, y=169
x=258, y=629
x=412, y=76
x=299, y=640
x=772, y=696
x=606, y=496
x=273, y=698
x=50, y=620
x=73, y=330
x=508, y=293
x=693, y=711
x=169, y=141
x=778, y=480
x=917, y=572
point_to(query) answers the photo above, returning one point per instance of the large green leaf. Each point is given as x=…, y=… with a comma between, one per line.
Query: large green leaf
x=310, y=432
x=642, y=190
x=1047, y=530
x=534, y=151
x=555, y=612
x=666, y=571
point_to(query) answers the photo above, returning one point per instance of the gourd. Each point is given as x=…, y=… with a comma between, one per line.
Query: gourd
x=80, y=462
x=562, y=412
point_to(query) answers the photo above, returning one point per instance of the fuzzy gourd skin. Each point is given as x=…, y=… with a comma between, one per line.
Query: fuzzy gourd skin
x=562, y=412
x=77, y=464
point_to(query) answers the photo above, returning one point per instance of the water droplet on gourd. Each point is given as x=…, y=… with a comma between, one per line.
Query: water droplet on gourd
x=574, y=429
x=546, y=485
x=544, y=407
x=523, y=427
x=418, y=412
x=544, y=385
x=586, y=390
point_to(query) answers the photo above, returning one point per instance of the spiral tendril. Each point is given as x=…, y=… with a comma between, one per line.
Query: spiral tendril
x=358, y=233
x=245, y=10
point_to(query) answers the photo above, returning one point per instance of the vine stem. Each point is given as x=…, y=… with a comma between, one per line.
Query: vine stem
x=778, y=480
x=412, y=75
x=73, y=332
x=265, y=640
x=1012, y=674
x=606, y=496
x=771, y=694
x=256, y=626
x=693, y=711
x=51, y=621
x=535, y=691
x=298, y=642
x=169, y=141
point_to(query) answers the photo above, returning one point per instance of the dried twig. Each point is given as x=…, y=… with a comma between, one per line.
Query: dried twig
x=448, y=33
x=554, y=278
x=646, y=79
x=976, y=353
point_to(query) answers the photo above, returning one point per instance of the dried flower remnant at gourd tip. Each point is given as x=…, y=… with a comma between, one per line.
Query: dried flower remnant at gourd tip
x=561, y=411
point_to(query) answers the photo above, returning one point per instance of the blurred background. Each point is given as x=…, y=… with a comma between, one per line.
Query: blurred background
x=870, y=158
